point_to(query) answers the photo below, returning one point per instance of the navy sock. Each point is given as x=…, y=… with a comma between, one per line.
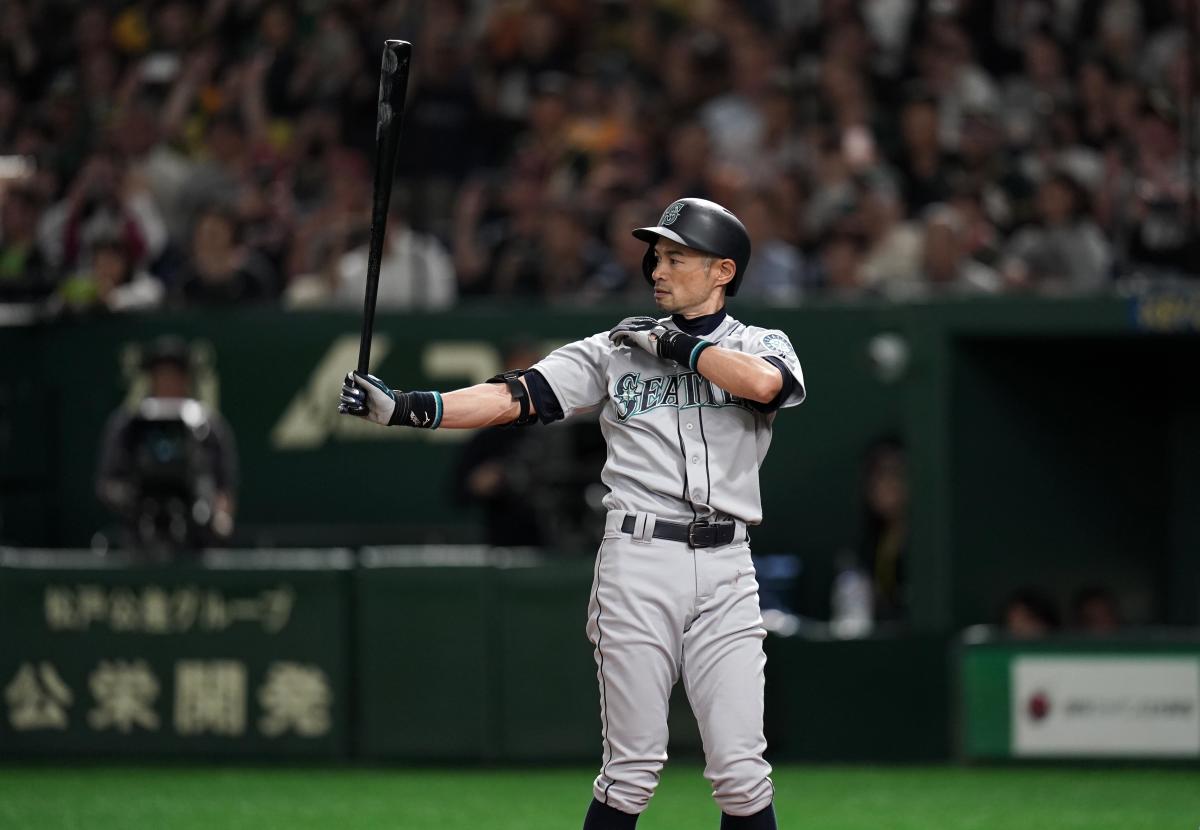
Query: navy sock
x=602, y=817
x=762, y=820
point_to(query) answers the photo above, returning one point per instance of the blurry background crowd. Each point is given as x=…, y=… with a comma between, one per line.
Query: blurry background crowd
x=218, y=152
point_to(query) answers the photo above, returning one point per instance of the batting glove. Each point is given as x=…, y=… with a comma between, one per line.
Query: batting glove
x=651, y=335
x=642, y=332
x=366, y=396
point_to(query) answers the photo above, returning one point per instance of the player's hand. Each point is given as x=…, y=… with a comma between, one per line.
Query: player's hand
x=366, y=396
x=643, y=332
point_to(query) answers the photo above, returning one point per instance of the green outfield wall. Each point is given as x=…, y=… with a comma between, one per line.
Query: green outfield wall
x=464, y=655
x=474, y=655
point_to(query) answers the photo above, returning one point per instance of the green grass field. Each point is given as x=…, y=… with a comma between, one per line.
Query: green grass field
x=820, y=798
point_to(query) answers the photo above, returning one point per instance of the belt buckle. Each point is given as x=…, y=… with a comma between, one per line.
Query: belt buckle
x=691, y=534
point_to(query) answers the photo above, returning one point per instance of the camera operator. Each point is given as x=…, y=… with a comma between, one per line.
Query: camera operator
x=168, y=468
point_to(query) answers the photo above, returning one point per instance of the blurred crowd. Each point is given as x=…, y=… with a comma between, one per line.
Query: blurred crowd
x=218, y=152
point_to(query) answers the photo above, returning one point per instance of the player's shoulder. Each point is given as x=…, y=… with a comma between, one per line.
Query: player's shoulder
x=759, y=339
x=749, y=333
x=592, y=346
x=598, y=344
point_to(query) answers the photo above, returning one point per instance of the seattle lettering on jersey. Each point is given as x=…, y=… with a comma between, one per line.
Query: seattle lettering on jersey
x=634, y=396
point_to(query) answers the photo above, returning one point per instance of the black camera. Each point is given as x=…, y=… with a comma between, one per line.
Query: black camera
x=172, y=475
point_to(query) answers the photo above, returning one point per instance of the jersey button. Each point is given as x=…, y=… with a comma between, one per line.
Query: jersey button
x=695, y=459
x=690, y=426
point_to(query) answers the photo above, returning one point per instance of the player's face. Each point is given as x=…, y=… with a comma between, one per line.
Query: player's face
x=687, y=281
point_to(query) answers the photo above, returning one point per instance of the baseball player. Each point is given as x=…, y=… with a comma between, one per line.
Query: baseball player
x=687, y=404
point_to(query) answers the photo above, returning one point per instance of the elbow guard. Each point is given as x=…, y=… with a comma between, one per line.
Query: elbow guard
x=519, y=394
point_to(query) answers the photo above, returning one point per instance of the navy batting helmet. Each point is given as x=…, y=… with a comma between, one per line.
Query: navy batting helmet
x=705, y=226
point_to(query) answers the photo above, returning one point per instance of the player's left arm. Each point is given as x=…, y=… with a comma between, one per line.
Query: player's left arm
x=767, y=373
x=745, y=375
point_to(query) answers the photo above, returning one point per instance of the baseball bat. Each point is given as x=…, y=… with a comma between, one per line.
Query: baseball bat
x=393, y=85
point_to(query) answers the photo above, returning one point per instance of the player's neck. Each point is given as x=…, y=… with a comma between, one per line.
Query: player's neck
x=701, y=323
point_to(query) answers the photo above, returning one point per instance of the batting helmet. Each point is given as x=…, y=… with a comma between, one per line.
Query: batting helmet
x=705, y=226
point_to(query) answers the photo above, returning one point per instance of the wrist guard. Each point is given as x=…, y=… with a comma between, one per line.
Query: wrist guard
x=422, y=410
x=681, y=347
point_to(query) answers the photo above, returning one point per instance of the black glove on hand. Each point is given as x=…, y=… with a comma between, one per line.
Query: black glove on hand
x=660, y=341
x=366, y=396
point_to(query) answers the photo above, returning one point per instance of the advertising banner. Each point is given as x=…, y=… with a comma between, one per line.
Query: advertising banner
x=240, y=661
x=1080, y=699
x=1108, y=706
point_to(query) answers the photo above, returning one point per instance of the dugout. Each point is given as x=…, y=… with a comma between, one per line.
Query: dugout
x=1057, y=446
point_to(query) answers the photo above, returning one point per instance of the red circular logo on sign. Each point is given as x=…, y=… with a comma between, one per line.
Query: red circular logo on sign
x=1038, y=706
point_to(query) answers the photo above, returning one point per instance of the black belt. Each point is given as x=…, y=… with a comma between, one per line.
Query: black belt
x=700, y=534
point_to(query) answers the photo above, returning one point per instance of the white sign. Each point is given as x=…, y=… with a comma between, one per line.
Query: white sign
x=1106, y=706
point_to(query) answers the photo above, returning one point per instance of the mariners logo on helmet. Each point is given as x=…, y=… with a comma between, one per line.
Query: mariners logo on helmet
x=703, y=226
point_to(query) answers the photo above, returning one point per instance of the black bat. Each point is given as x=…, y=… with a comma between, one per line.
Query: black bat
x=393, y=85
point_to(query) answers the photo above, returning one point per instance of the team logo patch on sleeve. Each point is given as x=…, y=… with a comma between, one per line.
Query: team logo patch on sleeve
x=779, y=344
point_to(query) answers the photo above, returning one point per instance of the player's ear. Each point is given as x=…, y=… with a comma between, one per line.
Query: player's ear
x=725, y=269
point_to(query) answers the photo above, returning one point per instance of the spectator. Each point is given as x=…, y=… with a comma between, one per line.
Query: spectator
x=443, y=123
x=777, y=269
x=833, y=193
x=947, y=267
x=223, y=171
x=338, y=224
x=894, y=245
x=139, y=119
x=736, y=120
x=782, y=147
x=1095, y=83
x=689, y=163
x=1042, y=88
x=10, y=103
x=622, y=272
x=519, y=44
x=922, y=163
x=1029, y=615
x=24, y=274
x=416, y=272
x=1162, y=241
x=498, y=251
x=885, y=539
x=841, y=264
x=1095, y=610
x=1065, y=249
x=221, y=271
x=111, y=282
x=569, y=255
x=946, y=65
x=984, y=166
x=103, y=202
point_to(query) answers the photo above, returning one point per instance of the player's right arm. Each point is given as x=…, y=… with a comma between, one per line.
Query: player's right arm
x=481, y=405
x=568, y=380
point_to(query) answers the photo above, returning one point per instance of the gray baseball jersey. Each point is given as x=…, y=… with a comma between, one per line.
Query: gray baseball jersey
x=679, y=448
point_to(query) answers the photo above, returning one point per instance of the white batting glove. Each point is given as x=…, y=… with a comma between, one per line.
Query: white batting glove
x=643, y=332
x=366, y=396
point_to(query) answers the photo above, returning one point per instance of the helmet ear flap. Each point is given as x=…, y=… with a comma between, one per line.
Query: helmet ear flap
x=648, y=263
